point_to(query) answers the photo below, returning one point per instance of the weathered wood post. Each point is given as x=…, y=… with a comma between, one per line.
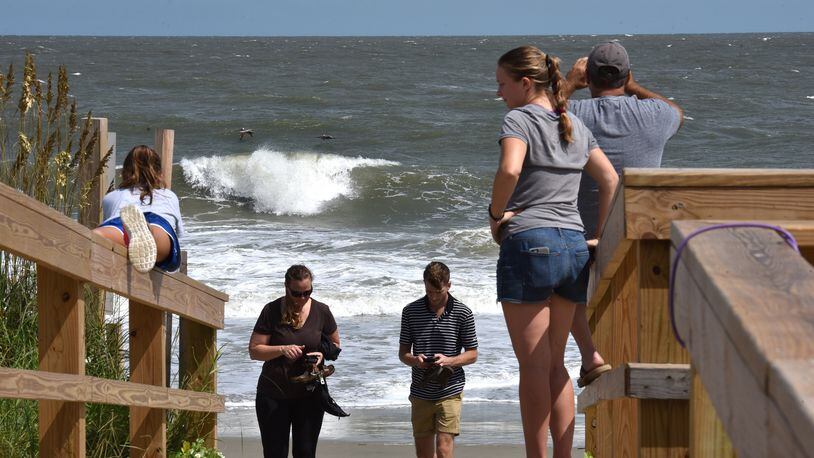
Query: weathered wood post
x=164, y=146
x=148, y=426
x=91, y=215
x=62, y=349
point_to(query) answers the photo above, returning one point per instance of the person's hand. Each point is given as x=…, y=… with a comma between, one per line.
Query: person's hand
x=577, y=77
x=423, y=363
x=630, y=84
x=494, y=226
x=293, y=352
x=443, y=360
x=319, y=356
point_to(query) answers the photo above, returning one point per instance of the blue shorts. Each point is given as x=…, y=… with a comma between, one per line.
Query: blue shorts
x=173, y=262
x=539, y=262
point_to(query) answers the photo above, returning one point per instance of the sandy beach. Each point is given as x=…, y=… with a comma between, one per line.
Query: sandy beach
x=251, y=447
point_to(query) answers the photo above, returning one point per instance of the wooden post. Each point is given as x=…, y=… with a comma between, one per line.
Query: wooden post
x=62, y=349
x=148, y=427
x=664, y=424
x=707, y=436
x=601, y=422
x=91, y=215
x=197, y=348
x=164, y=146
x=624, y=294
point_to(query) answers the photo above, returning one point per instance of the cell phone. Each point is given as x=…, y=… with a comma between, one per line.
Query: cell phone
x=430, y=359
x=311, y=359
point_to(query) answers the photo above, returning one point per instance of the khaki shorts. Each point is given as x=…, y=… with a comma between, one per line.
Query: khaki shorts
x=441, y=416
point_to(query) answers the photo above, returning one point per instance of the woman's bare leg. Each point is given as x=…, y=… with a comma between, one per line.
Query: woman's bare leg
x=528, y=326
x=163, y=243
x=111, y=233
x=562, y=391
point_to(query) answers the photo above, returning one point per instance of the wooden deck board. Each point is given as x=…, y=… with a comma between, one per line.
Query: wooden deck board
x=640, y=381
x=41, y=385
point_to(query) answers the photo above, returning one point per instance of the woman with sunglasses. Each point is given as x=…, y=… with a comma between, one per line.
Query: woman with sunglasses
x=289, y=329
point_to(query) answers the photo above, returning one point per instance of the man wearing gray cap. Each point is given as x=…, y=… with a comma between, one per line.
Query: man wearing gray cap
x=631, y=124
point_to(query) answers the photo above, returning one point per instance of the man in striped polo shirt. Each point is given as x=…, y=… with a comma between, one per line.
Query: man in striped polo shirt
x=434, y=329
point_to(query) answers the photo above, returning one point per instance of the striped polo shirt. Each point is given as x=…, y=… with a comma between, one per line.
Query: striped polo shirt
x=429, y=334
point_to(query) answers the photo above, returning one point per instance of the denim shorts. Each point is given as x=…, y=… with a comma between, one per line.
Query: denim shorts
x=535, y=263
x=173, y=262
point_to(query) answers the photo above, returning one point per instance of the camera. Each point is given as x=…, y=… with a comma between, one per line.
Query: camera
x=311, y=359
x=430, y=359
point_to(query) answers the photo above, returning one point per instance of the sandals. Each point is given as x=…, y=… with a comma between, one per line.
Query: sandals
x=586, y=377
x=308, y=377
x=141, y=250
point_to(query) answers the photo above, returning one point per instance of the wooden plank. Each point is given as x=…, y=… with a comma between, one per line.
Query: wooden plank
x=91, y=215
x=766, y=304
x=602, y=326
x=39, y=385
x=656, y=341
x=674, y=177
x=164, y=146
x=591, y=423
x=36, y=232
x=724, y=374
x=612, y=249
x=707, y=436
x=148, y=428
x=625, y=341
x=649, y=212
x=639, y=381
x=61, y=340
x=196, y=367
x=197, y=360
x=612, y=385
x=764, y=342
x=664, y=429
x=791, y=389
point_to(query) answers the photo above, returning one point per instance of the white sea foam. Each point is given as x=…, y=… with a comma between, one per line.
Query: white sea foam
x=276, y=182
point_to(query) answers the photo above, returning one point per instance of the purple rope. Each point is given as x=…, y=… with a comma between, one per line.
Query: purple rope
x=786, y=235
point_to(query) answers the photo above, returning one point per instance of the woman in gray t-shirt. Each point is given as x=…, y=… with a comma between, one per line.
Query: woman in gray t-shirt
x=542, y=271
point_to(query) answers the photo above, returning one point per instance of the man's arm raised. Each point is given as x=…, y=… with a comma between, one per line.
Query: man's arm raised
x=576, y=78
x=634, y=88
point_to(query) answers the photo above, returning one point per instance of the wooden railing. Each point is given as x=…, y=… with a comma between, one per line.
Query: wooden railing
x=67, y=255
x=643, y=407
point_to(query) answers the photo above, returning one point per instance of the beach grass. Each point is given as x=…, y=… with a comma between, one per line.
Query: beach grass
x=44, y=151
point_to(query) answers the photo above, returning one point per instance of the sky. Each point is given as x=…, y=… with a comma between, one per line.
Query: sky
x=401, y=18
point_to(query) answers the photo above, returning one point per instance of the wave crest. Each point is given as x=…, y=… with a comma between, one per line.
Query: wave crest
x=276, y=182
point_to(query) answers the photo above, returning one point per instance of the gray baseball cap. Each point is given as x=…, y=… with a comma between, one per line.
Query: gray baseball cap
x=608, y=62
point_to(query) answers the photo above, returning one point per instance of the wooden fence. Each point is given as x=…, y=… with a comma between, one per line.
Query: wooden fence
x=67, y=255
x=660, y=399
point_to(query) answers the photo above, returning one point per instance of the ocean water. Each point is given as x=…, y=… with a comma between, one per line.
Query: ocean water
x=406, y=179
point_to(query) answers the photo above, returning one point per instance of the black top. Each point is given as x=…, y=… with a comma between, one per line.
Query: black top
x=430, y=334
x=274, y=379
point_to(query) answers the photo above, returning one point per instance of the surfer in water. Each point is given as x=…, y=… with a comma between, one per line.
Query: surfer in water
x=326, y=137
x=244, y=131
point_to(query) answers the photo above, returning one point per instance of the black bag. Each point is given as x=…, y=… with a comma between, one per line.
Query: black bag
x=328, y=404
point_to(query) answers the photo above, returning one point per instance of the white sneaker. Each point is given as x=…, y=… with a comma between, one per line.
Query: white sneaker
x=141, y=250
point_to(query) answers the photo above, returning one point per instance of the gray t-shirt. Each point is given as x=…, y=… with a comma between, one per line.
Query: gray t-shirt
x=549, y=181
x=631, y=132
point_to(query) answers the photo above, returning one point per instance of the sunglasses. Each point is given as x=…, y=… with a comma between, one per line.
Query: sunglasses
x=305, y=293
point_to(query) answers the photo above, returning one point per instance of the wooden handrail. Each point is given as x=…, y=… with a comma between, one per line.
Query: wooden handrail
x=738, y=178
x=42, y=385
x=628, y=296
x=37, y=232
x=744, y=304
